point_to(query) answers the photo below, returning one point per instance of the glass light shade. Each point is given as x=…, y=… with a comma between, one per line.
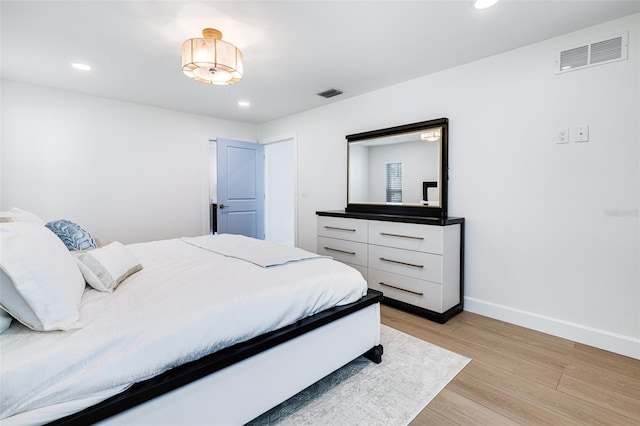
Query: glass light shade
x=80, y=66
x=431, y=136
x=483, y=4
x=211, y=61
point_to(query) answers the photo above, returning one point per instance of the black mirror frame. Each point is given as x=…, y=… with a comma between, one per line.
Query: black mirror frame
x=424, y=211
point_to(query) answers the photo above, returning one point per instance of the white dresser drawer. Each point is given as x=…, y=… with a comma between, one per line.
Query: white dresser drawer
x=416, y=292
x=343, y=228
x=343, y=250
x=424, y=266
x=416, y=263
x=411, y=236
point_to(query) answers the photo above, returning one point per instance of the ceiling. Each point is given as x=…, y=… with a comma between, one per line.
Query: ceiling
x=292, y=49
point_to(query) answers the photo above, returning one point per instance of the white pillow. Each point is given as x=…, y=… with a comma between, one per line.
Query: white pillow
x=41, y=285
x=106, y=267
x=5, y=319
x=19, y=215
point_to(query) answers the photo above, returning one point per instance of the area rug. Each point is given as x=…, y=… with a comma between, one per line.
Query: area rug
x=393, y=392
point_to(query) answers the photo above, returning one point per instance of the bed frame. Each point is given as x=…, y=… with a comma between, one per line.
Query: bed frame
x=237, y=384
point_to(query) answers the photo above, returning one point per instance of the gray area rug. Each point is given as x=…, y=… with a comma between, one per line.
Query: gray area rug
x=393, y=392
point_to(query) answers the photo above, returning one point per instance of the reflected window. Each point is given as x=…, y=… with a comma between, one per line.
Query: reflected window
x=394, y=182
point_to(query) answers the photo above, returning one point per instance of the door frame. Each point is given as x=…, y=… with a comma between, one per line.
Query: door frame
x=269, y=166
x=207, y=190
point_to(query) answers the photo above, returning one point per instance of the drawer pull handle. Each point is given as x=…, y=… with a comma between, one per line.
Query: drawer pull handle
x=403, y=289
x=402, y=236
x=402, y=263
x=339, y=251
x=339, y=229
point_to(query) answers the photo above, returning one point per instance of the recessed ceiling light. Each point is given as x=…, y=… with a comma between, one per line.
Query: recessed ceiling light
x=483, y=4
x=244, y=104
x=82, y=67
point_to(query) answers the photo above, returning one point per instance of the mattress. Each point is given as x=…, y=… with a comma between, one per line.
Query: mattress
x=187, y=302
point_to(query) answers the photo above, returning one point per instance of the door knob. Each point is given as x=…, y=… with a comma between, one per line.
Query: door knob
x=222, y=206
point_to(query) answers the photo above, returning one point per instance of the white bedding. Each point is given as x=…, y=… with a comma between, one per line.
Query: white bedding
x=255, y=251
x=185, y=303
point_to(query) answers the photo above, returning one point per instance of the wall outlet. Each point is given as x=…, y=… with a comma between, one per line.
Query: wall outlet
x=582, y=134
x=563, y=136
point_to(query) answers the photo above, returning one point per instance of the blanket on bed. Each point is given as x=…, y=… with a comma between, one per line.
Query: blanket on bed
x=258, y=252
x=185, y=303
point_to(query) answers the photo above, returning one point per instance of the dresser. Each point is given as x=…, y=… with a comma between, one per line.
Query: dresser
x=417, y=262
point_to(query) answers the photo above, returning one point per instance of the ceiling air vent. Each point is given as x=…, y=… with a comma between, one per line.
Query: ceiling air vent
x=330, y=93
x=596, y=53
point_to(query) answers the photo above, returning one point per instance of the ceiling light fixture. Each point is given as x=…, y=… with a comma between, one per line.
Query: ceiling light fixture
x=483, y=4
x=211, y=60
x=82, y=67
x=244, y=104
x=430, y=136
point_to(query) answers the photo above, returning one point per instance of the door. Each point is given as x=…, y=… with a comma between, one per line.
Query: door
x=240, y=184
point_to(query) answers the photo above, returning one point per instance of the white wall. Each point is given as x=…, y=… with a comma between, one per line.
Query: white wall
x=213, y=172
x=420, y=163
x=358, y=181
x=123, y=171
x=280, y=177
x=553, y=230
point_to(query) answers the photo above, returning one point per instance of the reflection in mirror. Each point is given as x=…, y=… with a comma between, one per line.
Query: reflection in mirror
x=402, y=169
x=399, y=170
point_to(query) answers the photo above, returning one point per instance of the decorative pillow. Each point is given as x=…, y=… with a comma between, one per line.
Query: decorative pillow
x=18, y=215
x=106, y=267
x=72, y=235
x=5, y=318
x=40, y=285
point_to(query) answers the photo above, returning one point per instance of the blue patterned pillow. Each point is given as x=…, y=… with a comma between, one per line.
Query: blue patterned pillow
x=72, y=235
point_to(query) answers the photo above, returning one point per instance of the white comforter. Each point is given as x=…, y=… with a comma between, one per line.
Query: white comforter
x=185, y=303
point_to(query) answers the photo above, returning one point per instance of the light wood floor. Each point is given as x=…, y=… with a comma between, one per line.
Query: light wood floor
x=520, y=376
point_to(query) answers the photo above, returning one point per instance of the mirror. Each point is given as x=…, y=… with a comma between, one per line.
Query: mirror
x=399, y=170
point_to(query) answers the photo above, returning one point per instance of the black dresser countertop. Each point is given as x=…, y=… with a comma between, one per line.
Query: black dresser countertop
x=392, y=217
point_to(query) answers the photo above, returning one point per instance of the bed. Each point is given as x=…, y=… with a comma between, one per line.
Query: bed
x=212, y=329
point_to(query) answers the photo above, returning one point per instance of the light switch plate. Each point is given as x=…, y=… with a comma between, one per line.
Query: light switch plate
x=582, y=134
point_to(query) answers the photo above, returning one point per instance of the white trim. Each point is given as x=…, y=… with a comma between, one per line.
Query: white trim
x=603, y=339
x=206, y=190
x=294, y=139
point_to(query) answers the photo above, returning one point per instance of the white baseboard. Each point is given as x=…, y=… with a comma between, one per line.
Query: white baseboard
x=613, y=342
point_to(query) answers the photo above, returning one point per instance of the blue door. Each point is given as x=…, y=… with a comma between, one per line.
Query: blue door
x=240, y=185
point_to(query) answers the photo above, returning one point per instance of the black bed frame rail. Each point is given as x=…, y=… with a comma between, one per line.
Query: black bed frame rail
x=181, y=375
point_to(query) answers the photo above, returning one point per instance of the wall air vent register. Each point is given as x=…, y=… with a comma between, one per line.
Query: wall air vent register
x=596, y=53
